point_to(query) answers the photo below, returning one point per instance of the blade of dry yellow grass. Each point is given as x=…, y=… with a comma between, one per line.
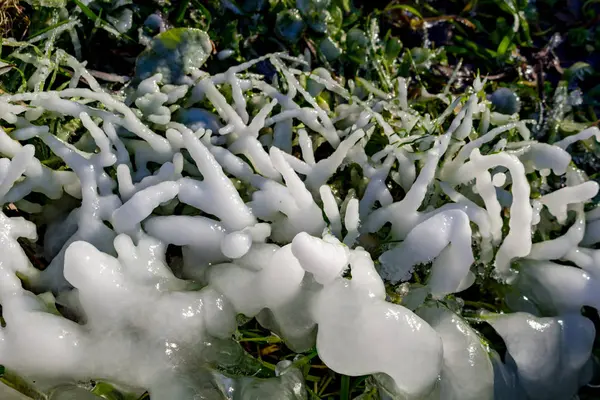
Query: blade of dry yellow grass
x=12, y=17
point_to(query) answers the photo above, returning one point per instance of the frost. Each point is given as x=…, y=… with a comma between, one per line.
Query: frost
x=237, y=180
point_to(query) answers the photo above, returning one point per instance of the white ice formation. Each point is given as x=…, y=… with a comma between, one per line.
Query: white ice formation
x=229, y=169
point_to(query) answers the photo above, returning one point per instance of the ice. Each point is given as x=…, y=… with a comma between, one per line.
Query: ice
x=444, y=239
x=558, y=288
x=358, y=308
x=467, y=371
x=160, y=234
x=549, y=353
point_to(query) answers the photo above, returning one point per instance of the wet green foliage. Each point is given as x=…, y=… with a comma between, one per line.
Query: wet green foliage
x=173, y=54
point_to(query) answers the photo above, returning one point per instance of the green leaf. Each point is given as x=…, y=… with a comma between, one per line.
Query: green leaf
x=174, y=53
x=393, y=47
x=525, y=30
x=505, y=101
x=49, y=28
x=49, y=300
x=404, y=7
x=337, y=18
x=330, y=49
x=21, y=385
x=253, y=6
x=572, y=127
x=356, y=45
x=289, y=25
x=106, y=391
x=307, y=7
x=504, y=44
x=346, y=5
x=420, y=55
x=319, y=20
x=229, y=36
x=578, y=36
x=507, y=5
x=587, y=10
x=456, y=50
x=5, y=67
x=578, y=71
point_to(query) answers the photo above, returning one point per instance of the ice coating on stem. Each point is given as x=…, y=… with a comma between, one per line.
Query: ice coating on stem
x=403, y=215
x=290, y=207
x=583, y=135
x=126, y=219
x=445, y=239
x=557, y=201
x=324, y=169
x=216, y=190
x=518, y=241
x=560, y=247
x=331, y=210
x=351, y=221
x=540, y=156
x=13, y=259
x=39, y=177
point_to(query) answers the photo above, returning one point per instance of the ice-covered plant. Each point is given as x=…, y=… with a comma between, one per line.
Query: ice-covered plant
x=340, y=217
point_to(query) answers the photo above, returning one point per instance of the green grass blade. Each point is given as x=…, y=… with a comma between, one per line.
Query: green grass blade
x=405, y=7
x=182, y=10
x=504, y=44
x=345, y=388
x=100, y=22
x=86, y=11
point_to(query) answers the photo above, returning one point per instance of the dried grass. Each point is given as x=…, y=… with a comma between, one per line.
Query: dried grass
x=13, y=18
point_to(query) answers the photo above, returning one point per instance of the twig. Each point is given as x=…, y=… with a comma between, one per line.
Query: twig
x=105, y=76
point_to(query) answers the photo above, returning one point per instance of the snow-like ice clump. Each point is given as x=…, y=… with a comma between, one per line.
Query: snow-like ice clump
x=265, y=233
